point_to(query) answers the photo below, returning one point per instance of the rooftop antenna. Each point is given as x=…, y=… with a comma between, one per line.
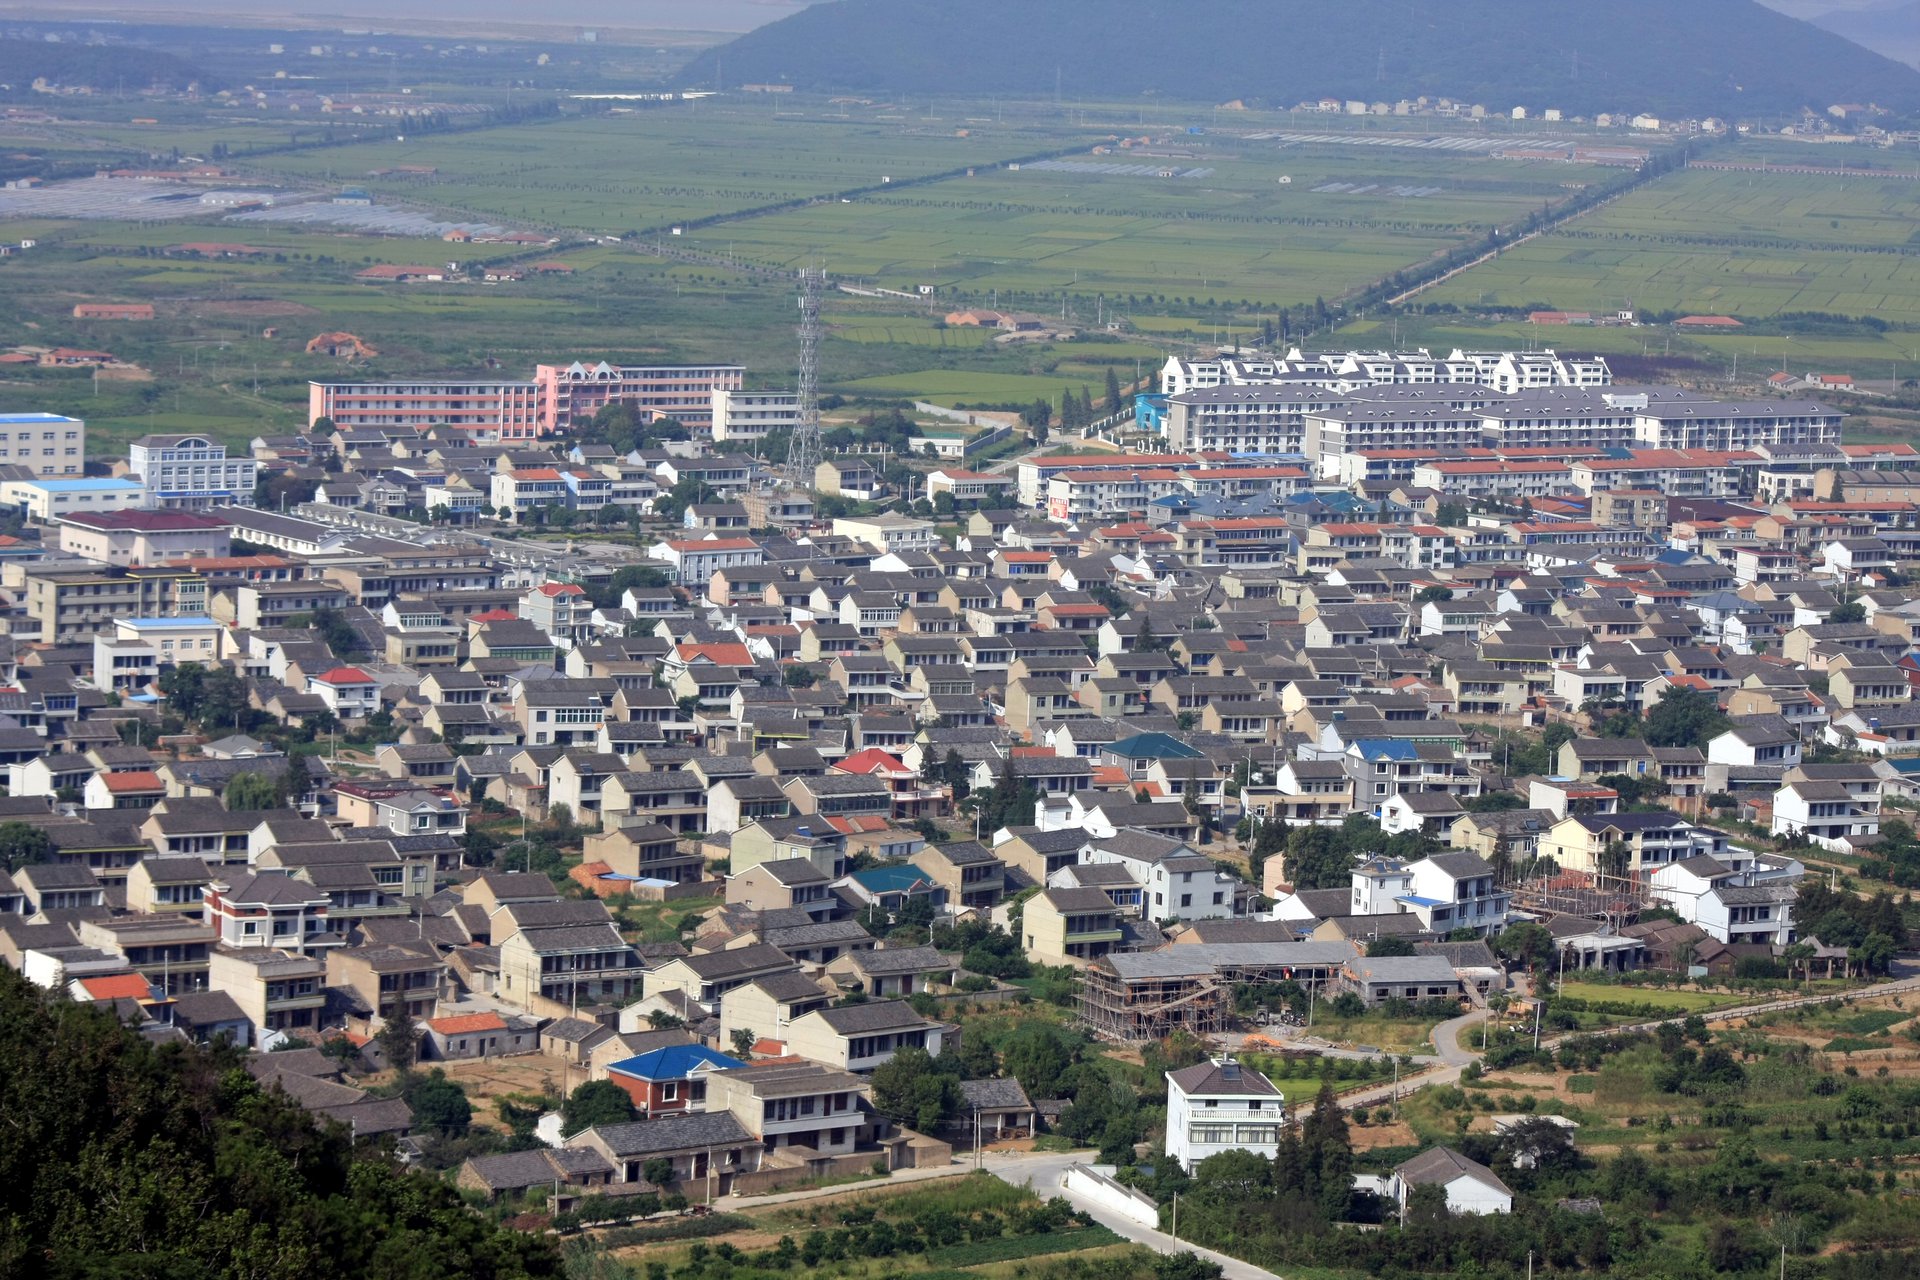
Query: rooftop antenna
x=804, y=450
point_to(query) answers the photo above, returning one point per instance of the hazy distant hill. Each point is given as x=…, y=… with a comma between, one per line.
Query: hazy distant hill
x=1700, y=57
x=1892, y=29
x=109, y=68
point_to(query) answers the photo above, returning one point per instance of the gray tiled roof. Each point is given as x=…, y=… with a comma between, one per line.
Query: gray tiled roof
x=672, y=1133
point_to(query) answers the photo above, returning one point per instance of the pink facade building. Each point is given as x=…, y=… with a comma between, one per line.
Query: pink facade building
x=575, y=392
x=557, y=397
x=493, y=409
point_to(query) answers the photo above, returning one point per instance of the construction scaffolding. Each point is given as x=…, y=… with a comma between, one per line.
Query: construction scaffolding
x=1614, y=900
x=1138, y=1010
x=1147, y=995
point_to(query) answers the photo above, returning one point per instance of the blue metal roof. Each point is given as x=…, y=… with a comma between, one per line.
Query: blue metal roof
x=675, y=1062
x=1154, y=746
x=1386, y=749
x=35, y=417
x=168, y=624
x=895, y=879
x=101, y=485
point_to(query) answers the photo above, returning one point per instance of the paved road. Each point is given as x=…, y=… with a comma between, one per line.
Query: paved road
x=1043, y=1172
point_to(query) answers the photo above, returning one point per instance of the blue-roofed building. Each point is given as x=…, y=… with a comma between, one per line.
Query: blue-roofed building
x=48, y=500
x=889, y=889
x=670, y=1080
x=47, y=444
x=1138, y=753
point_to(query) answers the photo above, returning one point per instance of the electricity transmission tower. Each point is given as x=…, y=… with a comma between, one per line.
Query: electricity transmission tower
x=804, y=451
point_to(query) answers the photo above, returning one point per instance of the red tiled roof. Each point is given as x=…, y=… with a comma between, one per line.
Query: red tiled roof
x=553, y=590
x=345, y=675
x=495, y=615
x=724, y=655
x=118, y=986
x=855, y=824
x=872, y=760
x=468, y=1022
x=138, y=780
x=712, y=544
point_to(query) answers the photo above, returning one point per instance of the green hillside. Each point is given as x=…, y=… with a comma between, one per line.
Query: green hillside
x=1731, y=58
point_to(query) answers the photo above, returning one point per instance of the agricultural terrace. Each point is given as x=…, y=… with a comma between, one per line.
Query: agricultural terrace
x=1738, y=243
x=972, y=1227
x=1695, y=1151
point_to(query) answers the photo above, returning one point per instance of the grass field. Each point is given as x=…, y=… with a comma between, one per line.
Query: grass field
x=1745, y=244
x=1237, y=234
x=1677, y=1001
x=654, y=169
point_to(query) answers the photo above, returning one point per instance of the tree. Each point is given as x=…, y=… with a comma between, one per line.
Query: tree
x=1328, y=1150
x=1526, y=942
x=23, y=846
x=908, y=1090
x=399, y=1041
x=657, y=1172
x=437, y=1103
x=627, y=578
x=338, y=633
x=1185, y=1265
x=1038, y=1056
x=1685, y=718
x=1427, y=1206
x=595, y=1102
x=1615, y=858
x=743, y=1041
x=1851, y=611
x=1391, y=945
x=215, y=1173
x=1113, y=391
x=252, y=792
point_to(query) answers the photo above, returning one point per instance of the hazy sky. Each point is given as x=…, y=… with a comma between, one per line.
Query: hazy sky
x=697, y=15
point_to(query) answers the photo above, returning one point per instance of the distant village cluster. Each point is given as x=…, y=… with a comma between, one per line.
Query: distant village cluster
x=271, y=766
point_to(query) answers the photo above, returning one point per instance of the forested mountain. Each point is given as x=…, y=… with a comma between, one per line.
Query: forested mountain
x=107, y=68
x=120, y=1159
x=1732, y=58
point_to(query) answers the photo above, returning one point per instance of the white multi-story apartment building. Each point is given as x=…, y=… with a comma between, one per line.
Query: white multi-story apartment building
x=46, y=444
x=191, y=473
x=752, y=415
x=1222, y=1105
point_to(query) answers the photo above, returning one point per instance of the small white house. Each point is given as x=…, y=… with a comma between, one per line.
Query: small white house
x=1218, y=1106
x=349, y=692
x=1471, y=1187
x=1828, y=813
x=1732, y=906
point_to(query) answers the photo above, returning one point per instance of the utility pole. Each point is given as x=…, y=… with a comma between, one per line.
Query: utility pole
x=1176, y=1216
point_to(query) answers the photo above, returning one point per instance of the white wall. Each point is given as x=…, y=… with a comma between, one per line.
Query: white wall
x=1084, y=1181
